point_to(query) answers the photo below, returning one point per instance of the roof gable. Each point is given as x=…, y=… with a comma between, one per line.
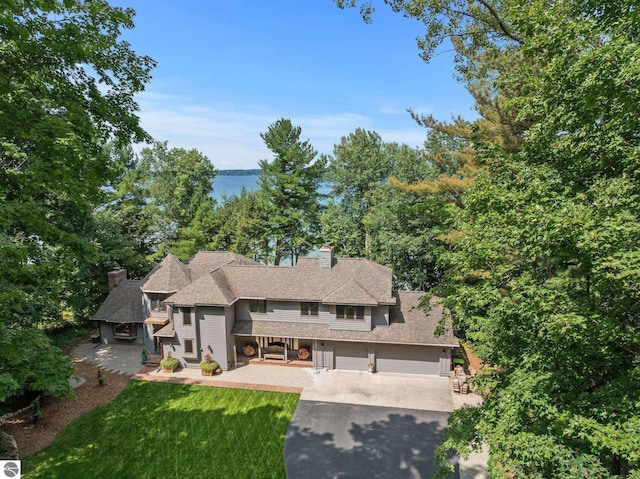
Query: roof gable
x=169, y=276
x=350, y=293
x=212, y=289
x=123, y=304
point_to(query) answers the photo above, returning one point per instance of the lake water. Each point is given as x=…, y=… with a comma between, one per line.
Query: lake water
x=232, y=185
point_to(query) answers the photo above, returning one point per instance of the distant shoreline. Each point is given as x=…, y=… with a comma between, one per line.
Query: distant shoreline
x=255, y=172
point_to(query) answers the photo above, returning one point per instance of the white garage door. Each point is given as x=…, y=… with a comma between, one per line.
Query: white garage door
x=351, y=356
x=408, y=359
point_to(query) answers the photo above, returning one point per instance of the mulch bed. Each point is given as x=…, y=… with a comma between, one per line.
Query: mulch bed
x=57, y=413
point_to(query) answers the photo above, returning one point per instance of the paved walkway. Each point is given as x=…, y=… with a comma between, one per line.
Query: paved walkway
x=260, y=377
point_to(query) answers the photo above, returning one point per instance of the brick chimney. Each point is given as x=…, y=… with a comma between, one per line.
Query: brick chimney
x=115, y=276
x=325, y=257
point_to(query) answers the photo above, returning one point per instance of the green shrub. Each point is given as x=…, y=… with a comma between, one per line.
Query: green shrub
x=170, y=362
x=208, y=364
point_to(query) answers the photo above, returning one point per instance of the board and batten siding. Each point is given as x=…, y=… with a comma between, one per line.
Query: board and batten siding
x=283, y=311
x=213, y=338
x=323, y=354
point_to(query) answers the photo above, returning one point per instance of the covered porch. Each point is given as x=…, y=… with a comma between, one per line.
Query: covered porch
x=273, y=350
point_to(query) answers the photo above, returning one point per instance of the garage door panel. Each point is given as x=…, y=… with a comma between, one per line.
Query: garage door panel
x=351, y=356
x=408, y=359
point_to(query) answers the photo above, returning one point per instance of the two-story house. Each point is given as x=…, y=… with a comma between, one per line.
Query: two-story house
x=343, y=311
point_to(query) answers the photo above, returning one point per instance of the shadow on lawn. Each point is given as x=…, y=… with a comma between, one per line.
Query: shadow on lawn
x=157, y=430
x=398, y=446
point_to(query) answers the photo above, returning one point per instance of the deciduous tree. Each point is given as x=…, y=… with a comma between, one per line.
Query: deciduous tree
x=67, y=86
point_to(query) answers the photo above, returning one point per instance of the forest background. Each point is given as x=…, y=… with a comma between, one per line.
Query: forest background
x=524, y=222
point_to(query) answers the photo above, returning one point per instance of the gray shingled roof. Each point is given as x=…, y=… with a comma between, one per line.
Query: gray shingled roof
x=211, y=289
x=166, y=332
x=349, y=281
x=123, y=305
x=350, y=293
x=207, y=261
x=409, y=325
x=169, y=276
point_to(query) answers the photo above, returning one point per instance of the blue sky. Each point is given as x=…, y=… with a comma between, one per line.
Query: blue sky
x=227, y=70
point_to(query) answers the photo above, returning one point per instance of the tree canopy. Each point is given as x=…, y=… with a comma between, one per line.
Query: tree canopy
x=543, y=272
x=67, y=86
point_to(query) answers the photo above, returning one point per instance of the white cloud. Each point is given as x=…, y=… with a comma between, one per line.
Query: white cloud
x=229, y=135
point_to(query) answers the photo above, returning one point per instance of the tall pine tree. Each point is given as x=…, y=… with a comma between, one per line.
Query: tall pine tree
x=289, y=192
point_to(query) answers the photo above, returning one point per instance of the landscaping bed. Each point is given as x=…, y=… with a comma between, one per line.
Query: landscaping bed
x=56, y=413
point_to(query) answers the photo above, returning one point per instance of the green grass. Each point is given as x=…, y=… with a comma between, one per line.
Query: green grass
x=154, y=430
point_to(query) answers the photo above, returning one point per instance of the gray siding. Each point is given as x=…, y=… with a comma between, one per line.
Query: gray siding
x=184, y=332
x=408, y=359
x=380, y=315
x=323, y=354
x=213, y=334
x=445, y=362
x=283, y=311
x=146, y=309
x=351, y=324
x=148, y=336
x=230, y=317
x=352, y=356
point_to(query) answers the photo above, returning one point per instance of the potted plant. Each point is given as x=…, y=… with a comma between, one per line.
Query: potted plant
x=372, y=368
x=208, y=365
x=169, y=364
x=144, y=355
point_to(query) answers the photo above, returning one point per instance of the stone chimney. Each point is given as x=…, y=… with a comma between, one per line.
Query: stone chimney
x=325, y=257
x=115, y=276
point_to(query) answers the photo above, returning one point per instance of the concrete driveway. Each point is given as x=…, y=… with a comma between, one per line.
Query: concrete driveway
x=410, y=391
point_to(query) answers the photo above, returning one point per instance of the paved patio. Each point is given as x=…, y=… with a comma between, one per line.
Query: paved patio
x=118, y=358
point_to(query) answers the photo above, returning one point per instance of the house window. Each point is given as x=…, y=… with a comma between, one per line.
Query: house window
x=309, y=309
x=258, y=305
x=349, y=312
x=188, y=346
x=156, y=302
x=186, y=316
x=124, y=330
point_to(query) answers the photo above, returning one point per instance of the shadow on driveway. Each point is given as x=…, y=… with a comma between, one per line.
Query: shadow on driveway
x=332, y=440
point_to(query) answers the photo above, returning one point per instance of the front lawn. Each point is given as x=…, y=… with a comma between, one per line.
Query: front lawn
x=154, y=430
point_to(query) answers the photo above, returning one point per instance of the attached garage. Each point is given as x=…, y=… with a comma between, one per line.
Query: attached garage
x=354, y=356
x=397, y=358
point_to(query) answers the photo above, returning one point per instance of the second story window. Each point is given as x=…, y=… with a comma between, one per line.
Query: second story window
x=309, y=309
x=156, y=304
x=258, y=305
x=186, y=316
x=349, y=312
